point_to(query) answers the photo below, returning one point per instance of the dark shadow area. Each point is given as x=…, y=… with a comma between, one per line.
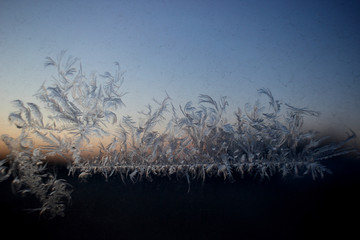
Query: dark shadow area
x=291, y=208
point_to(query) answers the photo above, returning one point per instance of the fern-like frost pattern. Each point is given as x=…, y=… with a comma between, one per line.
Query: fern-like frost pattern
x=197, y=142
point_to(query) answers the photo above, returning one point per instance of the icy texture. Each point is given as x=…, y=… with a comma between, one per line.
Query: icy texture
x=197, y=142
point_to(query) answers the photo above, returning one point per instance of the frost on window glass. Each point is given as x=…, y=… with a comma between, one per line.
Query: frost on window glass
x=197, y=141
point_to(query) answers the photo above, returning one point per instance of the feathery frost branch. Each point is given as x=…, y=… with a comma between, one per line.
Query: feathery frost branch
x=198, y=142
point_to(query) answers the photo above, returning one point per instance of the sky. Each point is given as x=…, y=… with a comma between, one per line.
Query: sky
x=306, y=52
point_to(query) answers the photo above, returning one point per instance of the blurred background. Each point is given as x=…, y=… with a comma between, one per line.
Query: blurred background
x=306, y=52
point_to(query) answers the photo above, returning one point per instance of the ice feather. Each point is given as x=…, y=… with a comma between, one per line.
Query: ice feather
x=111, y=117
x=198, y=142
x=20, y=105
x=16, y=119
x=275, y=104
x=304, y=110
x=36, y=114
x=207, y=99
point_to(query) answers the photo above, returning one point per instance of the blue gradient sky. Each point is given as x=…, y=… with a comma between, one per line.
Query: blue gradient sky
x=306, y=52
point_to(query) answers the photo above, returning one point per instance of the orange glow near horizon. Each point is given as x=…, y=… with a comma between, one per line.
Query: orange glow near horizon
x=92, y=149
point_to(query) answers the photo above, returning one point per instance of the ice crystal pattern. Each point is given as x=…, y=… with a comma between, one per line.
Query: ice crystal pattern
x=197, y=142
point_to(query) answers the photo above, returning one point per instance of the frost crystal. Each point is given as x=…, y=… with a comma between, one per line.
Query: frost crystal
x=198, y=141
